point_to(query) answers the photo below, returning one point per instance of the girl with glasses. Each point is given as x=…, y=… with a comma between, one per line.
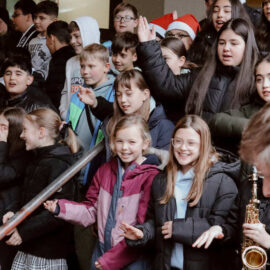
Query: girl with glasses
x=194, y=192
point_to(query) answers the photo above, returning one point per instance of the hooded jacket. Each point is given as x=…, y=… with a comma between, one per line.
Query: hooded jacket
x=219, y=193
x=90, y=33
x=111, y=199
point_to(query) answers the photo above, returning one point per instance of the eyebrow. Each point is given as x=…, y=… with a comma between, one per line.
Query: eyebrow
x=267, y=74
x=222, y=6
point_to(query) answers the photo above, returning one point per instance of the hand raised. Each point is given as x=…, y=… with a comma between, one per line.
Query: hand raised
x=144, y=32
x=87, y=96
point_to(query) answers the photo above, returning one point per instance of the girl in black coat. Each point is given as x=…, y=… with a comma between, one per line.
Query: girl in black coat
x=224, y=82
x=42, y=240
x=195, y=192
x=13, y=160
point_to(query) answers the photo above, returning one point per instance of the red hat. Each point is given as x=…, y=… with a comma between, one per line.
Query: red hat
x=186, y=23
x=161, y=24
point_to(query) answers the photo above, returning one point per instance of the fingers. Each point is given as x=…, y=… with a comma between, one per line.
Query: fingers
x=15, y=239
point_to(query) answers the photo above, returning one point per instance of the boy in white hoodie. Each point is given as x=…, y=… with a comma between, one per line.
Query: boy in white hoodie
x=84, y=31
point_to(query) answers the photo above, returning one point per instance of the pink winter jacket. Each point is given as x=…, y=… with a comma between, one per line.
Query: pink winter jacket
x=131, y=208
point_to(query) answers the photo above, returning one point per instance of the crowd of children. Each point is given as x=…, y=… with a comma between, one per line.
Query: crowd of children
x=172, y=99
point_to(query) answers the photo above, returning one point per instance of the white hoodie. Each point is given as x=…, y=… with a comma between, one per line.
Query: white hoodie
x=90, y=33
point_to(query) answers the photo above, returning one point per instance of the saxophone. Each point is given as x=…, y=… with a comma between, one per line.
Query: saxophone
x=253, y=256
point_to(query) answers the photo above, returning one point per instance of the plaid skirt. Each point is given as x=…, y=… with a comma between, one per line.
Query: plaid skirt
x=24, y=261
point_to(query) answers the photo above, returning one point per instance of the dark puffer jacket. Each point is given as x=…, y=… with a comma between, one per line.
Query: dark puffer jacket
x=12, y=170
x=32, y=99
x=170, y=89
x=219, y=193
x=42, y=234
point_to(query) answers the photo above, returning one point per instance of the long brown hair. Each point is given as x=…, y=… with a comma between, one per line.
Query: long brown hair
x=207, y=158
x=14, y=116
x=49, y=119
x=124, y=79
x=244, y=79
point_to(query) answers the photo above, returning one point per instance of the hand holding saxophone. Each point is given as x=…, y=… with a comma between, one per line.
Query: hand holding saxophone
x=257, y=233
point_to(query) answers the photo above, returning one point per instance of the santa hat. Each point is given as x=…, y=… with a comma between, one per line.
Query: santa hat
x=186, y=23
x=161, y=24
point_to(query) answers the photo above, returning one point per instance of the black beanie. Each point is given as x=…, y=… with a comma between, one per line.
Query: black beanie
x=4, y=16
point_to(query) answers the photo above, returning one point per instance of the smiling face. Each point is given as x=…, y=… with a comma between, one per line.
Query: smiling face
x=16, y=81
x=222, y=12
x=231, y=48
x=186, y=148
x=125, y=25
x=31, y=135
x=124, y=60
x=129, y=145
x=76, y=41
x=130, y=100
x=94, y=71
x=263, y=80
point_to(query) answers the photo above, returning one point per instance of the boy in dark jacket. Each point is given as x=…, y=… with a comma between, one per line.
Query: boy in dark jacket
x=18, y=82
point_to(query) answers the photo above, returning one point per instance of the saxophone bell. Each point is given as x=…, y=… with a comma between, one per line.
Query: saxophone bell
x=254, y=257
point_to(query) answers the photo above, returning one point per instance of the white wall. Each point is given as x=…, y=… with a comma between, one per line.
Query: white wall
x=195, y=7
x=156, y=8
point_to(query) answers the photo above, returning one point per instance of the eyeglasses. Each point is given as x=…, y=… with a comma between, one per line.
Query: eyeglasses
x=265, y=2
x=178, y=35
x=15, y=15
x=125, y=18
x=179, y=143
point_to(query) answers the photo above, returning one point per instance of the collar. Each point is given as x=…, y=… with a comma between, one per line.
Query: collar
x=188, y=176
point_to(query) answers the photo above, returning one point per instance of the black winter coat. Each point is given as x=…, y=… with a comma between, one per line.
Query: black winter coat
x=32, y=99
x=171, y=90
x=219, y=193
x=12, y=170
x=42, y=234
x=57, y=74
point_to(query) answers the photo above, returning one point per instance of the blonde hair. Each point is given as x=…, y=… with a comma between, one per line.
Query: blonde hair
x=49, y=119
x=126, y=122
x=97, y=51
x=207, y=157
x=255, y=143
x=124, y=79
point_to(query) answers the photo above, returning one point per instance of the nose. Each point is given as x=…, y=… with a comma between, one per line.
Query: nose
x=220, y=13
x=21, y=135
x=123, y=98
x=72, y=41
x=122, y=19
x=226, y=46
x=266, y=83
x=124, y=145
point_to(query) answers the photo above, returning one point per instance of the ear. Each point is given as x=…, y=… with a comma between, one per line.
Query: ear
x=30, y=79
x=146, y=144
x=146, y=93
x=107, y=67
x=181, y=61
x=42, y=132
x=134, y=57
